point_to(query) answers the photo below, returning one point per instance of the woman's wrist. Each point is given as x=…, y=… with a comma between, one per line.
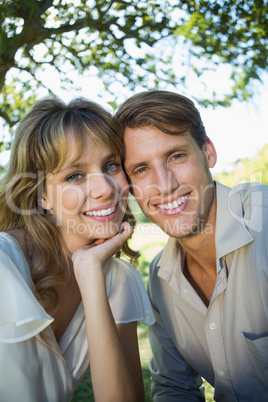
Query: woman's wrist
x=87, y=272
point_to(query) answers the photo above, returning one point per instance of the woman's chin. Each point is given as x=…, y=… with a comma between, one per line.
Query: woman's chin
x=108, y=231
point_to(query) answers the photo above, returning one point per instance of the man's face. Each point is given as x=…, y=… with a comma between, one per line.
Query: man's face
x=171, y=179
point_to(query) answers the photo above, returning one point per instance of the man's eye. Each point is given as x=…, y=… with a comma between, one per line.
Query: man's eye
x=140, y=170
x=177, y=156
x=74, y=177
x=111, y=167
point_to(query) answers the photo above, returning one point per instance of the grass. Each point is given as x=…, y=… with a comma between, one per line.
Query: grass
x=149, y=240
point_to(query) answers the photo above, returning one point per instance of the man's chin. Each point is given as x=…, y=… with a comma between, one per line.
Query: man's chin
x=184, y=230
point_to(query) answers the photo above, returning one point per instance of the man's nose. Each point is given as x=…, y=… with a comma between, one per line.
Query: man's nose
x=164, y=180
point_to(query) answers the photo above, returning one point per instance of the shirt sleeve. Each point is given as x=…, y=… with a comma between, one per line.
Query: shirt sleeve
x=173, y=379
x=21, y=316
x=29, y=370
x=127, y=294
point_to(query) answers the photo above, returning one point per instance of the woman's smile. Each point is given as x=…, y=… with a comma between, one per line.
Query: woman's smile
x=102, y=212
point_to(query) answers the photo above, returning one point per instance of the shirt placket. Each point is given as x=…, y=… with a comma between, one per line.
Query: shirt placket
x=215, y=341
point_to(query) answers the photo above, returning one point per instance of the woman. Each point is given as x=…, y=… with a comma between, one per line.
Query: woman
x=65, y=301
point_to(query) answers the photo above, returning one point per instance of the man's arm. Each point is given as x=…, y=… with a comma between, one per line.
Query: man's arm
x=172, y=378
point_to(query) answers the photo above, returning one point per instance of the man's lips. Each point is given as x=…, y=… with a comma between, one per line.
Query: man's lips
x=170, y=206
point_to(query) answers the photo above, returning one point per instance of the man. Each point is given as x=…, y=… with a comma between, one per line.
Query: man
x=209, y=285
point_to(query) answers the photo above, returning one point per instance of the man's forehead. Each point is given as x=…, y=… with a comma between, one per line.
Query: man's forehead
x=144, y=133
x=144, y=143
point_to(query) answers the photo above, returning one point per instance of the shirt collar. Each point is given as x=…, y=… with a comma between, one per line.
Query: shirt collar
x=171, y=256
x=231, y=231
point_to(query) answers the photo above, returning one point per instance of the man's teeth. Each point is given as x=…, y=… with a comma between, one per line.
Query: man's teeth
x=101, y=212
x=174, y=204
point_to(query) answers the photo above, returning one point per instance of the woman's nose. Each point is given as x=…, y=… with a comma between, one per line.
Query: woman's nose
x=101, y=186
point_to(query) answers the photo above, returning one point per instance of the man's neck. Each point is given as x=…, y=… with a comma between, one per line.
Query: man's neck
x=200, y=259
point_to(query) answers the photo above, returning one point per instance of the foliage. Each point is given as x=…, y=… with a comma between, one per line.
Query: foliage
x=125, y=42
x=136, y=211
x=247, y=170
x=75, y=35
x=234, y=32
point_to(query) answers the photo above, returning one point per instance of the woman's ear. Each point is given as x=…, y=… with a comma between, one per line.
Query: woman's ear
x=45, y=203
x=210, y=153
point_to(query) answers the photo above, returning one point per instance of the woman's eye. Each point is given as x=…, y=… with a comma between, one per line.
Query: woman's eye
x=111, y=167
x=74, y=177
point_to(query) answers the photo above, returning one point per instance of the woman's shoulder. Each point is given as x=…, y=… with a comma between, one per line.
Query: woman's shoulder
x=23, y=317
x=11, y=239
x=9, y=245
x=14, y=239
x=11, y=250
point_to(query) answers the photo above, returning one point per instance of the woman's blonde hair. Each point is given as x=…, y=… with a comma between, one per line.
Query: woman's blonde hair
x=40, y=148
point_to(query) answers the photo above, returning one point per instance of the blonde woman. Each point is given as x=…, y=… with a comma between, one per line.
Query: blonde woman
x=67, y=304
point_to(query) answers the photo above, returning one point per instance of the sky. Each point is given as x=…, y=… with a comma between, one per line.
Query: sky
x=237, y=132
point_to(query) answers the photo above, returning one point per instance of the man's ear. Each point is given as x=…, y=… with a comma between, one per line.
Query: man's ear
x=210, y=153
x=45, y=203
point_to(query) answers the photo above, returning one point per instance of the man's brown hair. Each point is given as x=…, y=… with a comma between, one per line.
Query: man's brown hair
x=170, y=112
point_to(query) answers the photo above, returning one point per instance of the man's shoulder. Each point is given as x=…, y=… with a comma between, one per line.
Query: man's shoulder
x=253, y=193
x=245, y=203
x=254, y=199
x=246, y=195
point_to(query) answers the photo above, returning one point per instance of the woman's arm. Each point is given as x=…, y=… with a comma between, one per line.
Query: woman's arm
x=113, y=350
x=129, y=342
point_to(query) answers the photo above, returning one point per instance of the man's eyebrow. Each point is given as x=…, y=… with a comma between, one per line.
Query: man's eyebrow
x=176, y=148
x=134, y=166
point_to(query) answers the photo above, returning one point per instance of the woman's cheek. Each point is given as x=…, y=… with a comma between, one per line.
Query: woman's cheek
x=70, y=200
x=123, y=186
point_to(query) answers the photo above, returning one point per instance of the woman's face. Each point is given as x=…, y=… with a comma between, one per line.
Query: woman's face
x=88, y=196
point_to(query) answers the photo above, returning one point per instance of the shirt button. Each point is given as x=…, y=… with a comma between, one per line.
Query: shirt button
x=212, y=325
x=221, y=373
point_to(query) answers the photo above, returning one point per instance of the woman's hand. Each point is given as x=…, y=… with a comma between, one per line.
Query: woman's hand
x=99, y=252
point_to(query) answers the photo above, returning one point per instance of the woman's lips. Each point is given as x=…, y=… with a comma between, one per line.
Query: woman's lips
x=102, y=213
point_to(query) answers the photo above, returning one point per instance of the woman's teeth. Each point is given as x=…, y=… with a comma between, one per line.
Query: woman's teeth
x=101, y=212
x=174, y=204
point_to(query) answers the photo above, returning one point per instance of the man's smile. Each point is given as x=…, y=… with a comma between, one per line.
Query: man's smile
x=174, y=204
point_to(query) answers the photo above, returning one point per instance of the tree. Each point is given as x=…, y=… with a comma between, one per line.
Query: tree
x=79, y=34
x=234, y=32
x=129, y=41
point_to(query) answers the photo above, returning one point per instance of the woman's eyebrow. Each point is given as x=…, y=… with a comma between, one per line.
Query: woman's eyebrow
x=83, y=164
x=74, y=165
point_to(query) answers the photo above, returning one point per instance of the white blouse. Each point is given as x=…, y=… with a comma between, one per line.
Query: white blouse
x=29, y=370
